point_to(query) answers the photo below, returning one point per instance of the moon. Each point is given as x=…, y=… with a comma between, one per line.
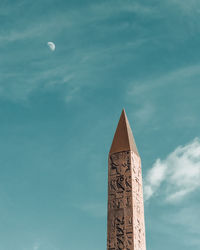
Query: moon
x=51, y=45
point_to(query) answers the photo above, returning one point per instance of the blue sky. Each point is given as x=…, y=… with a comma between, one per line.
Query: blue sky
x=59, y=110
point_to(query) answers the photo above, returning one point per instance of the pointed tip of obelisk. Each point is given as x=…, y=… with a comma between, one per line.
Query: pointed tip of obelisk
x=123, y=139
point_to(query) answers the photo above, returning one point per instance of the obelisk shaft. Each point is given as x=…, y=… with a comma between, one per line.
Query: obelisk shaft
x=125, y=225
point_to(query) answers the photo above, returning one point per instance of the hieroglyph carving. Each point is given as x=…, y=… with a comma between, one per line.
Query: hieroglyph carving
x=125, y=203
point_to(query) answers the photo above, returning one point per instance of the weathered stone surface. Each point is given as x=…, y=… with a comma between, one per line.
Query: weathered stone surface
x=125, y=225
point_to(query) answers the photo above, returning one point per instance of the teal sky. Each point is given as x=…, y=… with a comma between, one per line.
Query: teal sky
x=59, y=110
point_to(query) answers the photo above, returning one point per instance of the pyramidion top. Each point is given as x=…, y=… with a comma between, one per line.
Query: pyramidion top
x=123, y=139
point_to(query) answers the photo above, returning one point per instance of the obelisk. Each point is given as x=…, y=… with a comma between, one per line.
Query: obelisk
x=125, y=225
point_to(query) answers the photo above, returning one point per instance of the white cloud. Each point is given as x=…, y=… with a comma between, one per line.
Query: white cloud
x=179, y=173
x=154, y=178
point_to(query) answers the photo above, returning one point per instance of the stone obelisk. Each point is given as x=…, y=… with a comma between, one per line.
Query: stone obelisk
x=125, y=225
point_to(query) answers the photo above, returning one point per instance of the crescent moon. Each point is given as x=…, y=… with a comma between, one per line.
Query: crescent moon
x=51, y=45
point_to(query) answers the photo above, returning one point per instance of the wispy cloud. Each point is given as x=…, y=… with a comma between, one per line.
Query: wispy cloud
x=94, y=209
x=177, y=175
x=144, y=113
x=91, y=45
x=46, y=245
x=177, y=76
x=188, y=216
x=193, y=5
x=77, y=18
x=72, y=93
x=15, y=35
x=187, y=219
x=113, y=7
x=36, y=246
x=79, y=54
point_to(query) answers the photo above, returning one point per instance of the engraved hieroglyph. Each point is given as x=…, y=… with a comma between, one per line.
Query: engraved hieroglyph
x=125, y=228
